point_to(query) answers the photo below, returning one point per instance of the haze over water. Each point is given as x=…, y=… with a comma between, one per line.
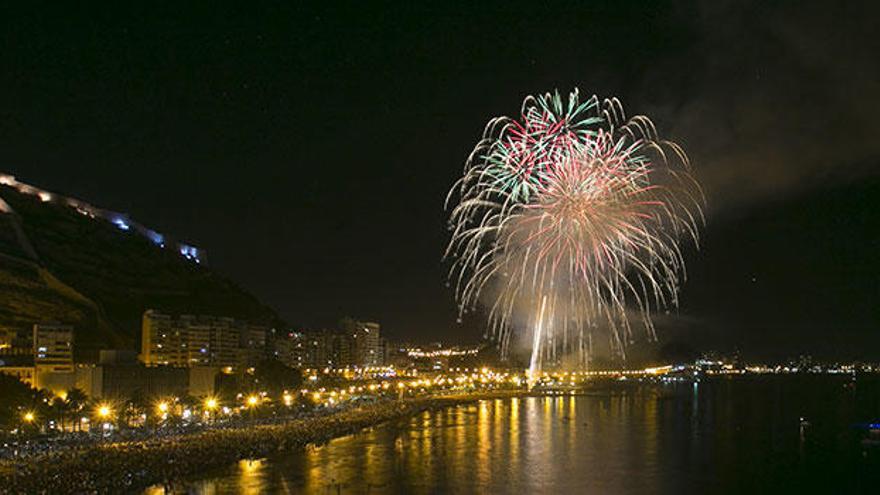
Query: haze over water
x=721, y=436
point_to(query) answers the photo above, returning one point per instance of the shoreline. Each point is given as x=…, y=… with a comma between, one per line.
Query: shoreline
x=130, y=466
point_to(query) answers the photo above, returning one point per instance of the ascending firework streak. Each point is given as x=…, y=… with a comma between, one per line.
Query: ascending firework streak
x=568, y=220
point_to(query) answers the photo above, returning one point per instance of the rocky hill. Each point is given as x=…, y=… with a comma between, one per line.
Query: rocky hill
x=59, y=264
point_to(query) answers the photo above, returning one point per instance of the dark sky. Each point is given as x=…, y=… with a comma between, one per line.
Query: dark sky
x=309, y=148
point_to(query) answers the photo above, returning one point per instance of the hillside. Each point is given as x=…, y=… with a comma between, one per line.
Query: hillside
x=57, y=264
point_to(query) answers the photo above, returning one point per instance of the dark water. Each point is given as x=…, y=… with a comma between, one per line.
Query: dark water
x=721, y=436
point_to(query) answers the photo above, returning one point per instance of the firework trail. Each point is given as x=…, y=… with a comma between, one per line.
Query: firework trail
x=568, y=220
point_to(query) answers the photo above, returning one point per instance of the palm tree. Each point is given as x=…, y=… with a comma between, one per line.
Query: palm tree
x=42, y=399
x=60, y=409
x=76, y=399
x=15, y=397
x=138, y=404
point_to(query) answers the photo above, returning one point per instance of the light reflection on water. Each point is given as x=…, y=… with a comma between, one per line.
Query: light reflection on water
x=729, y=438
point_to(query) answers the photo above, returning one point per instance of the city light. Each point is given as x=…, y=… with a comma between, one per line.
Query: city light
x=103, y=411
x=28, y=417
x=211, y=403
x=253, y=400
x=162, y=407
x=451, y=352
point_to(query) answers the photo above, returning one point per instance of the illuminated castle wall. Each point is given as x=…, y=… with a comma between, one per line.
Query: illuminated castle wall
x=120, y=220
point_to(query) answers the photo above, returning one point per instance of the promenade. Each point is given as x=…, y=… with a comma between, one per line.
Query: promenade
x=131, y=465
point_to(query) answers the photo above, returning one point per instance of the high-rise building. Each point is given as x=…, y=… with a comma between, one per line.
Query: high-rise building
x=252, y=344
x=7, y=337
x=296, y=349
x=198, y=336
x=15, y=342
x=189, y=340
x=329, y=349
x=212, y=340
x=16, y=354
x=365, y=347
x=163, y=340
x=53, y=348
x=358, y=343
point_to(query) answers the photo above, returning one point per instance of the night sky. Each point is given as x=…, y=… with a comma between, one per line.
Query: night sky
x=309, y=148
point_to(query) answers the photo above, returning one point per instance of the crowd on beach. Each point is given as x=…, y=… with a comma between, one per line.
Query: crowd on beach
x=13, y=447
x=123, y=466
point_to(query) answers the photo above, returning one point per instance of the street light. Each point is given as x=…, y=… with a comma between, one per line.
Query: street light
x=211, y=404
x=104, y=413
x=28, y=417
x=251, y=403
x=162, y=408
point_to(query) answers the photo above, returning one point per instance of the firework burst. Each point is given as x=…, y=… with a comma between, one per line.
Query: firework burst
x=568, y=220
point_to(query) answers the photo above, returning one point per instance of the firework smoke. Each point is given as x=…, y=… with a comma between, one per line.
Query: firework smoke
x=572, y=216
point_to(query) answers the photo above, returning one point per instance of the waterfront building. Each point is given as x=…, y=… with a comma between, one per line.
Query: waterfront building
x=163, y=340
x=203, y=380
x=23, y=373
x=313, y=349
x=296, y=349
x=197, y=336
x=211, y=340
x=365, y=342
x=42, y=358
x=128, y=379
x=200, y=340
x=7, y=335
x=118, y=374
x=53, y=348
x=252, y=344
x=14, y=342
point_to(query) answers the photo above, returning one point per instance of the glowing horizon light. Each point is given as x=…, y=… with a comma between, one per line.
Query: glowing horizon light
x=567, y=222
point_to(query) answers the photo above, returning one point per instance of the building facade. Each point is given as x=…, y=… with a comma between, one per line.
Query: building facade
x=53, y=348
x=364, y=341
x=295, y=349
x=163, y=340
x=187, y=340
